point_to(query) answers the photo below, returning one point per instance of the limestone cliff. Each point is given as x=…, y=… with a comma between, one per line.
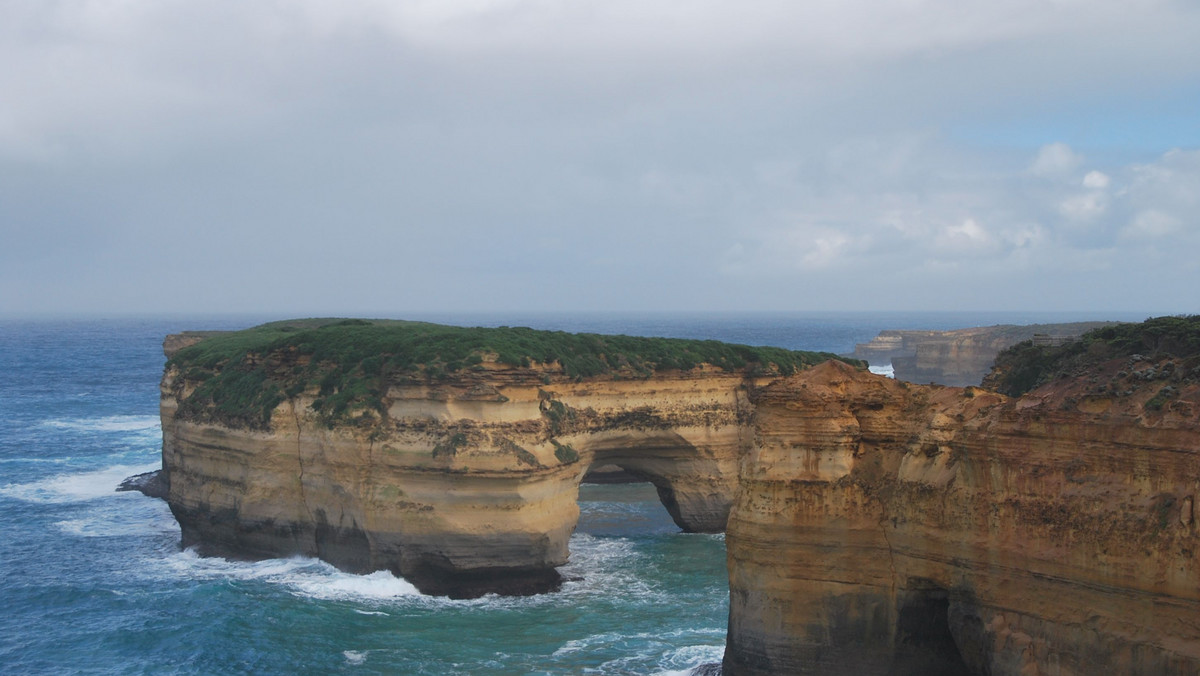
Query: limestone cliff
x=959, y=357
x=460, y=474
x=888, y=528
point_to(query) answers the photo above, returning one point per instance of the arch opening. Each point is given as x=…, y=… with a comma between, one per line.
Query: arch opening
x=694, y=484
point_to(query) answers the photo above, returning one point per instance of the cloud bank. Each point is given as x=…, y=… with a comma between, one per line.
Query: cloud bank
x=369, y=156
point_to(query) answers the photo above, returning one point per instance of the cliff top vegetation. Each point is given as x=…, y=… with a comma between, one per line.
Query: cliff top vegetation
x=1025, y=366
x=243, y=375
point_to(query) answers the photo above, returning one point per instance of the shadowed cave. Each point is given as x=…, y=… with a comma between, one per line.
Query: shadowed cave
x=924, y=642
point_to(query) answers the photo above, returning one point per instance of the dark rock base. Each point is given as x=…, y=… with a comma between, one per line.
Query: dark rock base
x=151, y=484
x=473, y=584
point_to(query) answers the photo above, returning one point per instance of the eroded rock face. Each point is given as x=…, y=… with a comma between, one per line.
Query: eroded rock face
x=465, y=486
x=887, y=528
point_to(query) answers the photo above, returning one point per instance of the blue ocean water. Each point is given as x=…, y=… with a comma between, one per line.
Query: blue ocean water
x=94, y=582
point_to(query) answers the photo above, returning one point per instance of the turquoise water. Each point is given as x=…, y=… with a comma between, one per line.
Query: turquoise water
x=93, y=581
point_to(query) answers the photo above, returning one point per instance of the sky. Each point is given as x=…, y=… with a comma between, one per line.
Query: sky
x=377, y=157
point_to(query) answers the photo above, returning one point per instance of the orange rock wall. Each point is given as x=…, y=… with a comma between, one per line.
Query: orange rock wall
x=882, y=527
x=463, y=486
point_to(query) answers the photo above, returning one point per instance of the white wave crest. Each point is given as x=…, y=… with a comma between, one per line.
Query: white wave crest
x=378, y=586
x=354, y=656
x=688, y=656
x=705, y=645
x=122, y=518
x=681, y=661
x=112, y=423
x=302, y=576
x=79, y=487
x=883, y=370
x=602, y=564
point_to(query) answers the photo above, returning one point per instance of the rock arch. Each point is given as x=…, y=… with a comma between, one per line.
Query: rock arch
x=464, y=488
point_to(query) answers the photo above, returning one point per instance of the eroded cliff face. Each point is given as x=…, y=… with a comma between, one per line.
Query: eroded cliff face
x=882, y=527
x=463, y=486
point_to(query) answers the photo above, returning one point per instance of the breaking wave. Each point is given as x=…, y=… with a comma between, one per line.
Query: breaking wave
x=76, y=487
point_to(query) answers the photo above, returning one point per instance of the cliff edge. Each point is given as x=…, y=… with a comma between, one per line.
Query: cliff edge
x=888, y=528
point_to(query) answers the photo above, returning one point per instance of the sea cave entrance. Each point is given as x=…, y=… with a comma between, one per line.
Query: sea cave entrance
x=924, y=641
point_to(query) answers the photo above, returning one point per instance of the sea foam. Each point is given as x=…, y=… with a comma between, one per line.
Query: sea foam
x=354, y=656
x=112, y=423
x=883, y=370
x=681, y=661
x=302, y=576
x=77, y=487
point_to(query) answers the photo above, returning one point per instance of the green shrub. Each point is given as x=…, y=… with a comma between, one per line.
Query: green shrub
x=1025, y=366
x=242, y=375
x=449, y=446
x=565, y=453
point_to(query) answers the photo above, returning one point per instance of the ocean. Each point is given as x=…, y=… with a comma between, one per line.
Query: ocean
x=94, y=582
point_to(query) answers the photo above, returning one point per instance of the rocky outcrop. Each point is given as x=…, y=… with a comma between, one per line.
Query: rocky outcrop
x=960, y=357
x=464, y=485
x=888, y=528
x=151, y=484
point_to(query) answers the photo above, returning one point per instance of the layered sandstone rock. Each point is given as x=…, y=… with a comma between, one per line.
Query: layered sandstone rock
x=877, y=527
x=464, y=486
x=888, y=528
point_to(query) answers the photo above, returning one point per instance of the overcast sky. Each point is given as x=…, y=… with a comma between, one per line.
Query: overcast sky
x=381, y=157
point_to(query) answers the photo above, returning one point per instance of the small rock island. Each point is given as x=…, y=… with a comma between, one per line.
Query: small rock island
x=1041, y=524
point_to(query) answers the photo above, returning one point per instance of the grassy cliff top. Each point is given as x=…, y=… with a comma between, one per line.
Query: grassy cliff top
x=1025, y=366
x=243, y=375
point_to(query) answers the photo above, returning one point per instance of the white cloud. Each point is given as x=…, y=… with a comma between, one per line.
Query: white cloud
x=965, y=239
x=1055, y=160
x=1153, y=224
x=1007, y=229
x=1096, y=180
x=825, y=251
x=1084, y=207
